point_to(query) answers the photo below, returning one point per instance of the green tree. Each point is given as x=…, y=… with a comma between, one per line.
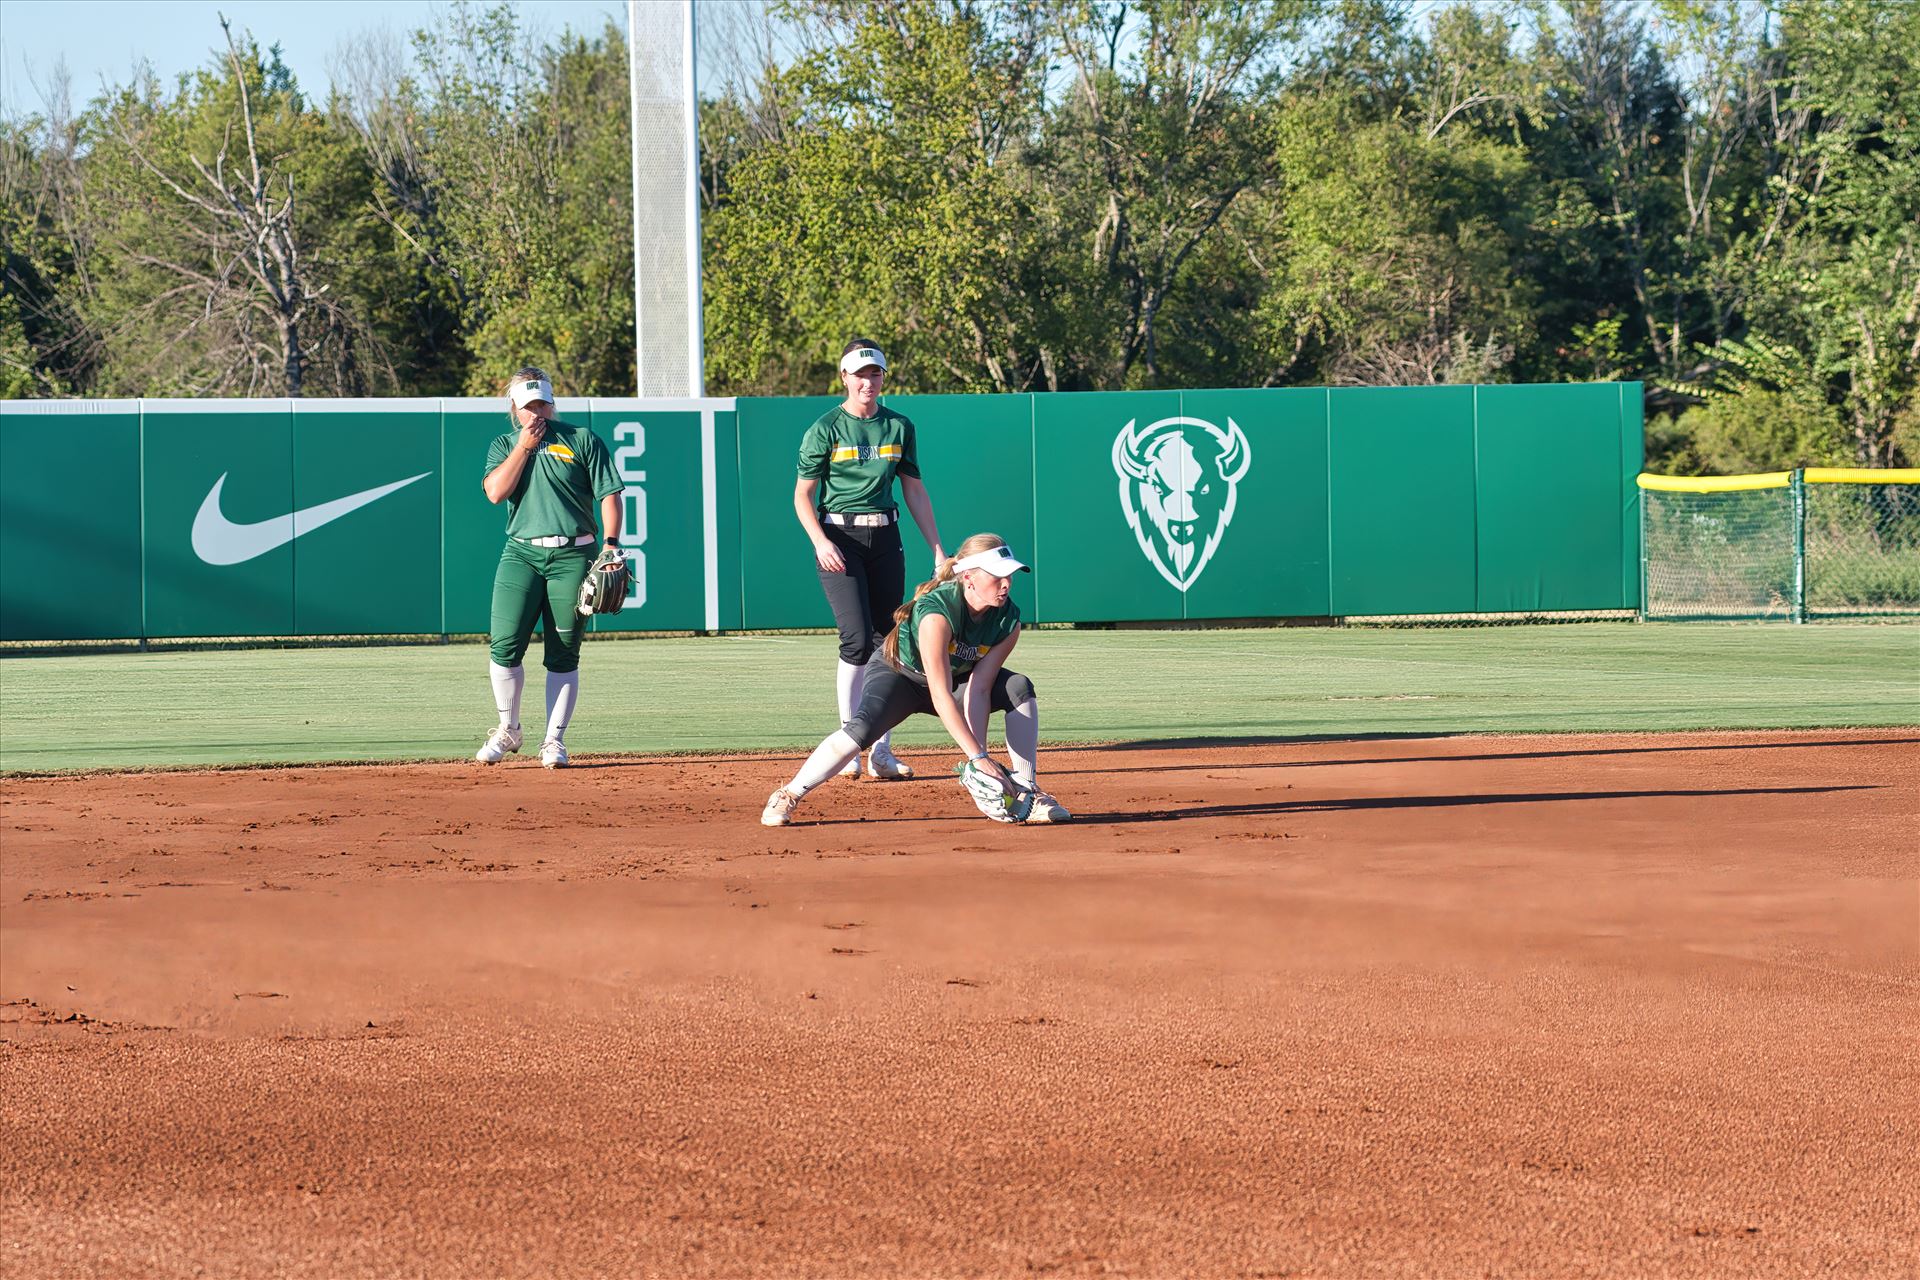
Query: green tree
x=1163, y=130
x=45, y=346
x=893, y=201
x=516, y=194
x=1398, y=251
x=1394, y=240
x=1751, y=431
x=1716, y=197
x=224, y=239
x=1838, y=256
x=1607, y=149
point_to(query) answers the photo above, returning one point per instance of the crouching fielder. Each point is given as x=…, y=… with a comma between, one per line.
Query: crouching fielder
x=952, y=638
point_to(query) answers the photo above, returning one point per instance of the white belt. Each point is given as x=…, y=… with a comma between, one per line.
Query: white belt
x=558, y=540
x=870, y=520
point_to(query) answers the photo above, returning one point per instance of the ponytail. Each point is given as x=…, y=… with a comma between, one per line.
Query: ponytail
x=972, y=546
x=891, y=645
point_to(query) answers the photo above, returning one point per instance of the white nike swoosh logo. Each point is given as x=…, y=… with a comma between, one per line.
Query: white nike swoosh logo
x=218, y=540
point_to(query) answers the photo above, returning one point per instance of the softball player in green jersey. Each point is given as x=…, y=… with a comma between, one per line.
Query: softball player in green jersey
x=550, y=474
x=844, y=498
x=953, y=637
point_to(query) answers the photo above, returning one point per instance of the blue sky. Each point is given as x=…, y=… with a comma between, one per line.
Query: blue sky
x=103, y=40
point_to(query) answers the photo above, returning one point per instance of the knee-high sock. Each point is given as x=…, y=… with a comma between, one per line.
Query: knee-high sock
x=563, y=694
x=1023, y=742
x=826, y=761
x=849, y=682
x=507, y=684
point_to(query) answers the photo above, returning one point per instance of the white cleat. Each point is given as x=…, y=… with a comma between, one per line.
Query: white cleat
x=553, y=754
x=779, y=810
x=1047, y=809
x=498, y=744
x=852, y=768
x=884, y=766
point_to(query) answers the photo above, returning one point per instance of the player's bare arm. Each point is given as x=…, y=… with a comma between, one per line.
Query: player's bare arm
x=935, y=637
x=976, y=696
x=913, y=491
x=825, y=554
x=505, y=478
x=612, y=512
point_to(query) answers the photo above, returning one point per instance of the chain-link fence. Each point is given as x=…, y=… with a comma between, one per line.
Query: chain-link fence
x=1825, y=542
x=1862, y=546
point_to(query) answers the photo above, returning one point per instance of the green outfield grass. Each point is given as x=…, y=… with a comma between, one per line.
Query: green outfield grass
x=775, y=692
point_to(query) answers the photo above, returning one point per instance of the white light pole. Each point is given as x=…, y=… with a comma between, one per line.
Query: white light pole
x=696, y=330
x=665, y=126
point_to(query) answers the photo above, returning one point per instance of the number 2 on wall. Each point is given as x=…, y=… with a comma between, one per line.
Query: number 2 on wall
x=633, y=496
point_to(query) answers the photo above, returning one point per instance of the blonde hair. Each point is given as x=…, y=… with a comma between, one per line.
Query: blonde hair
x=971, y=547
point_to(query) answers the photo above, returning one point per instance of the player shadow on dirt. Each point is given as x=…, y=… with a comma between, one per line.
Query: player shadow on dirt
x=1164, y=744
x=1434, y=802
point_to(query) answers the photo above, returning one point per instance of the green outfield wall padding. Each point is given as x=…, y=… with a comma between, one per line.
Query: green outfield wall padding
x=1402, y=499
x=375, y=568
x=218, y=499
x=474, y=527
x=1270, y=560
x=976, y=453
x=1633, y=453
x=280, y=517
x=1088, y=564
x=778, y=586
x=729, y=595
x=1548, y=537
x=657, y=447
x=657, y=454
x=70, y=520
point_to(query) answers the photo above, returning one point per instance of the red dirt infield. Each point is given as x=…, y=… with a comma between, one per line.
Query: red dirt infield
x=1472, y=1006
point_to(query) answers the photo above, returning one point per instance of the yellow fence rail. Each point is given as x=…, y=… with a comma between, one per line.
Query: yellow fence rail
x=1774, y=545
x=1778, y=479
x=1714, y=484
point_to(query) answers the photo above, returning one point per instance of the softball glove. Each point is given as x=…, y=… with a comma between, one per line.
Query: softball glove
x=992, y=796
x=605, y=587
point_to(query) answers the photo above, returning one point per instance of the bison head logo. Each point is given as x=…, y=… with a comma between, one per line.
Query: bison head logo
x=1177, y=482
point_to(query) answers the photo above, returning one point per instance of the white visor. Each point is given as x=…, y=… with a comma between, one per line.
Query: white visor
x=997, y=561
x=525, y=393
x=860, y=357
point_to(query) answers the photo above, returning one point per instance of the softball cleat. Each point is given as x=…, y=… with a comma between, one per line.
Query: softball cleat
x=852, y=768
x=553, y=754
x=779, y=810
x=498, y=744
x=884, y=766
x=1047, y=809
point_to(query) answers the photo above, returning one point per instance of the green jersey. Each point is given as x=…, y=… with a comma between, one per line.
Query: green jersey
x=562, y=485
x=856, y=458
x=971, y=637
